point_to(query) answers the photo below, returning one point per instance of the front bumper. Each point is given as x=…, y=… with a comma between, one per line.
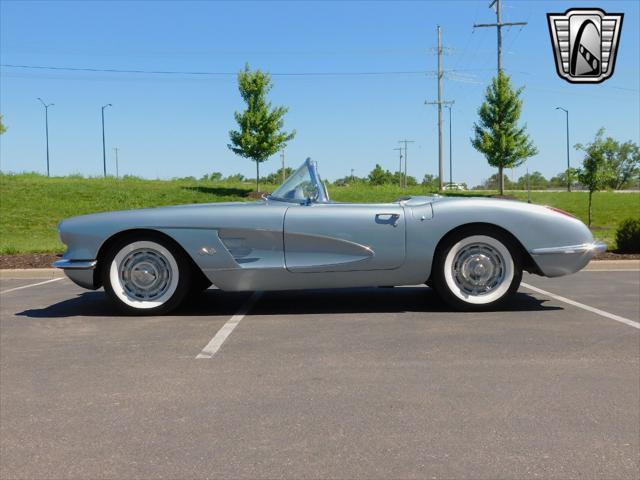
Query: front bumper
x=80, y=272
x=558, y=261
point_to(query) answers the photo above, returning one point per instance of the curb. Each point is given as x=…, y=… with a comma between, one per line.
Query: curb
x=48, y=273
x=31, y=273
x=621, y=265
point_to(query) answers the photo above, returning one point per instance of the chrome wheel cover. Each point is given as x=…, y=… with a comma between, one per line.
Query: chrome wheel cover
x=145, y=274
x=478, y=269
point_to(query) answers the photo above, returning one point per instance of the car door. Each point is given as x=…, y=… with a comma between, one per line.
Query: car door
x=337, y=237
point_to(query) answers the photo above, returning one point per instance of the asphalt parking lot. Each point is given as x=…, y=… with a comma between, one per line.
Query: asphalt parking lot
x=361, y=383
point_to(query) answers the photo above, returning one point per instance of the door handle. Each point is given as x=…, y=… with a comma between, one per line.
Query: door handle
x=387, y=218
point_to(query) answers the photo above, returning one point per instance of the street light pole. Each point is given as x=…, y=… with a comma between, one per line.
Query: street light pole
x=46, y=128
x=104, y=151
x=450, y=149
x=115, y=149
x=568, y=163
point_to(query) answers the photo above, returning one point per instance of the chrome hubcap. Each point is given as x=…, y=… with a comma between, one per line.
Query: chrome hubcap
x=145, y=274
x=478, y=269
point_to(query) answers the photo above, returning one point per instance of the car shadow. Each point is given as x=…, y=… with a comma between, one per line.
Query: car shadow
x=215, y=302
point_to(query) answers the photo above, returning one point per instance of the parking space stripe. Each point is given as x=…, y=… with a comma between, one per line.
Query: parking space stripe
x=30, y=285
x=216, y=342
x=597, y=270
x=588, y=308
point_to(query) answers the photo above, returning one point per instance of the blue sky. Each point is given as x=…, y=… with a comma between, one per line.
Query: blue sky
x=177, y=125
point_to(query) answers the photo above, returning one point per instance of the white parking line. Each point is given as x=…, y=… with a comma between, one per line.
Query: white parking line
x=31, y=285
x=597, y=311
x=611, y=270
x=216, y=342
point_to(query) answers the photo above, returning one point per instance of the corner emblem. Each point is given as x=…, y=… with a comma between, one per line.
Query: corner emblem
x=585, y=43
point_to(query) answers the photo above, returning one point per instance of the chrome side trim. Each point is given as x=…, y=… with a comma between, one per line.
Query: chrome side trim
x=75, y=264
x=595, y=247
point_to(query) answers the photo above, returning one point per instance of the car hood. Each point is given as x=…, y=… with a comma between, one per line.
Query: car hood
x=156, y=216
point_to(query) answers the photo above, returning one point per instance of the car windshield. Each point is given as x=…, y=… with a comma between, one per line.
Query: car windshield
x=303, y=186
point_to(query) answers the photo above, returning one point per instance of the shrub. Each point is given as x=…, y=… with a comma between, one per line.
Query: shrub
x=628, y=236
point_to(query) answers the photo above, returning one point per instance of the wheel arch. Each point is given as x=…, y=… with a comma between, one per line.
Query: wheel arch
x=136, y=233
x=528, y=264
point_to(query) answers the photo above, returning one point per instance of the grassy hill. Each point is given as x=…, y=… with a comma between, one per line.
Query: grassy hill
x=32, y=205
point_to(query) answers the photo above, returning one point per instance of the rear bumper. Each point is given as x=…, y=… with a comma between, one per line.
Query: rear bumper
x=558, y=261
x=80, y=272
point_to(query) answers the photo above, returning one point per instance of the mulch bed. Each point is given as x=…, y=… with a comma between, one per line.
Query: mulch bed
x=44, y=260
x=28, y=260
x=618, y=256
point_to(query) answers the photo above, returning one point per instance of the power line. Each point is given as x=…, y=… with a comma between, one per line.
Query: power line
x=177, y=72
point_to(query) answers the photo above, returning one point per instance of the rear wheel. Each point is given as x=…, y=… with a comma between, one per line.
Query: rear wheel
x=476, y=270
x=146, y=275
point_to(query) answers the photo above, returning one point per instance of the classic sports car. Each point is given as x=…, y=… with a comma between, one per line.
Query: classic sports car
x=472, y=251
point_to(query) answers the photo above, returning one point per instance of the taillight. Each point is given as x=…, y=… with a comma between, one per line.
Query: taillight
x=560, y=211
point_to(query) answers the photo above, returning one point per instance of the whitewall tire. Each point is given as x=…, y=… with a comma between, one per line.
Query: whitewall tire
x=146, y=275
x=475, y=270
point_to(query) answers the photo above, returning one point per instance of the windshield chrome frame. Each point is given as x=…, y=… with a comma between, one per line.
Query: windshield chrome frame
x=314, y=176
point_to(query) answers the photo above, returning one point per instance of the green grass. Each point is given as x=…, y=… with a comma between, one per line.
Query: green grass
x=32, y=205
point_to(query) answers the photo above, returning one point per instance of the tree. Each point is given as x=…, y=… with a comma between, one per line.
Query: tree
x=411, y=181
x=596, y=171
x=497, y=135
x=532, y=181
x=260, y=132
x=379, y=176
x=624, y=164
x=348, y=180
x=431, y=182
x=275, y=178
x=235, y=178
x=561, y=180
x=213, y=177
x=493, y=183
x=2, y=127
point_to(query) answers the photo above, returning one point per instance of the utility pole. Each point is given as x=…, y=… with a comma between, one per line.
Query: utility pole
x=104, y=151
x=399, y=149
x=405, y=159
x=499, y=25
x=568, y=164
x=115, y=149
x=440, y=103
x=46, y=128
x=450, y=149
x=352, y=170
x=282, y=159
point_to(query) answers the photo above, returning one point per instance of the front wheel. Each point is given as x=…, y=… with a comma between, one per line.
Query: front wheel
x=146, y=276
x=475, y=271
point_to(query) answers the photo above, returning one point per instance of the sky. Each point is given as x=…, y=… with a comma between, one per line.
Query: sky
x=320, y=54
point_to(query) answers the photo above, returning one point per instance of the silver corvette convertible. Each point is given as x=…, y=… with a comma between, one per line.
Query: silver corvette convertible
x=472, y=251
